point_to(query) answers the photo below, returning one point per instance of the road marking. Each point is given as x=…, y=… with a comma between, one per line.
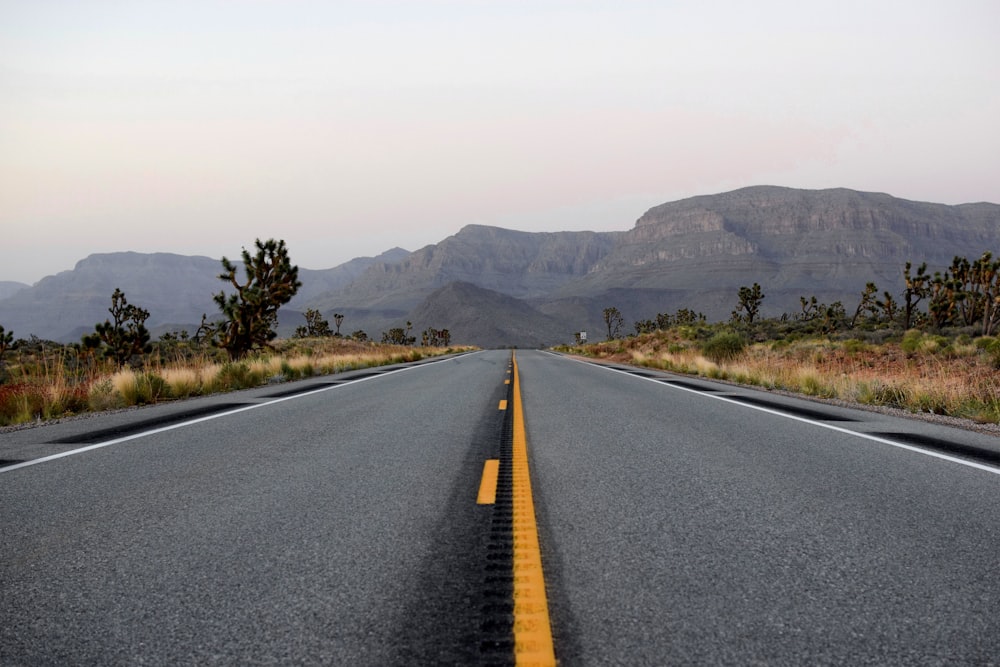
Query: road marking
x=488, y=484
x=171, y=427
x=532, y=628
x=839, y=429
x=503, y=404
x=506, y=381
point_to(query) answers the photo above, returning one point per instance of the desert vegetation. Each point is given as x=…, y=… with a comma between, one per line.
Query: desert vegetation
x=118, y=366
x=45, y=380
x=943, y=358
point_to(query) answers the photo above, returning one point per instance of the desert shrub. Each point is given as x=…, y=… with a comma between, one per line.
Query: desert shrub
x=881, y=393
x=289, y=371
x=236, y=375
x=911, y=341
x=21, y=402
x=810, y=384
x=182, y=382
x=990, y=346
x=102, y=396
x=915, y=341
x=987, y=343
x=855, y=346
x=138, y=388
x=933, y=402
x=723, y=346
x=67, y=399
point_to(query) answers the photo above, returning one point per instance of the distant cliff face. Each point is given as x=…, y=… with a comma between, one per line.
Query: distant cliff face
x=804, y=238
x=786, y=223
x=10, y=288
x=521, y=264
x=694, y=253
x=487, y=318
x=175, y=289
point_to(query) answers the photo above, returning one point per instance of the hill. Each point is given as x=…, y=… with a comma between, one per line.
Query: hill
x=175, y=289
x=8, y=288
x=693, y=253
x=489, y=318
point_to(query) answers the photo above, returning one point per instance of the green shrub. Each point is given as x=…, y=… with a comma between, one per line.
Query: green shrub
x=102, y=396
x=723, y=346
x=289, y=371
x=855, y=346
x=911, y=341
x=235, y=375
x=143, y=388
x=20, y=403
x=880, y=393
x=811, y=385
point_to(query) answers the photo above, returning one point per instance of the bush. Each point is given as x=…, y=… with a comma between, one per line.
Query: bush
x=102, y=396
x=236, y=375
x=879, y=393
x=136, y=388
x=855, y=346
x=20, y=403
x=723, y=346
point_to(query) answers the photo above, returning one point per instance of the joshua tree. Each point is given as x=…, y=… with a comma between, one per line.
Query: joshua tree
x=867, y=304
x=126, y=336
x=315, y=326
x=614, y=321
x=917, y=289
x=6, y=340
x=251, y=312
x=750, y=298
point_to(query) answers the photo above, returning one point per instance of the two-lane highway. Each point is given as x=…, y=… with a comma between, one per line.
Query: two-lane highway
x=679, y=522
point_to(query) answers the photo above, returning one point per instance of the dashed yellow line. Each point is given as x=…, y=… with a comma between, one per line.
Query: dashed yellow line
x=532, y=628
x=503, y=404
x=488, y=484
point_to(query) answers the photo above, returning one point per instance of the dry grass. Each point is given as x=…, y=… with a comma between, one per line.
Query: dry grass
x=54, y=390
x=921, y=373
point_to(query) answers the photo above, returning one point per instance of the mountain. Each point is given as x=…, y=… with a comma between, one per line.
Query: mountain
x=316, y=283
x=9, y=288
x=521, y=264
x=175, y=289
x=494, y=286
x=489, y=318
x=694, y=253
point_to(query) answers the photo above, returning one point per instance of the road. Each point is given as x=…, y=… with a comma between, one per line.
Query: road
x=334, y=521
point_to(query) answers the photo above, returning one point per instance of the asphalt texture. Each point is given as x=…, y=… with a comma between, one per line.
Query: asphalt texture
x=682, y=529
x=681, y=522
x=333, y=528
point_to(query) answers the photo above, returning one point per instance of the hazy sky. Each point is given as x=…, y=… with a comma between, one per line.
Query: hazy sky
x=347, y=128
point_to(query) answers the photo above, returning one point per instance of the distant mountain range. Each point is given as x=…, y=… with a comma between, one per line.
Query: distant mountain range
x=494, y=287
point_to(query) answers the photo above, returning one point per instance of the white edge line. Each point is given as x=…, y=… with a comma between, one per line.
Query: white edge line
x=171, y=427
x=859, y=434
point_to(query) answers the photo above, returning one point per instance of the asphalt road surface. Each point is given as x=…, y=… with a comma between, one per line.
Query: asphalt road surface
x=334, y=521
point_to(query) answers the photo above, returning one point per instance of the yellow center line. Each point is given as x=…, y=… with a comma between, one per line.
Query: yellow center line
x=532, y=628
x=488, y=485
x=503, y=404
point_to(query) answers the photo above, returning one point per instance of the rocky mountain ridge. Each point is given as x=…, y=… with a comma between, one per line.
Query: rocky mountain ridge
x=692, y=253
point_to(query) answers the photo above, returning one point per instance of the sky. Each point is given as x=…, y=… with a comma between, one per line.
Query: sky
x=348, y=128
